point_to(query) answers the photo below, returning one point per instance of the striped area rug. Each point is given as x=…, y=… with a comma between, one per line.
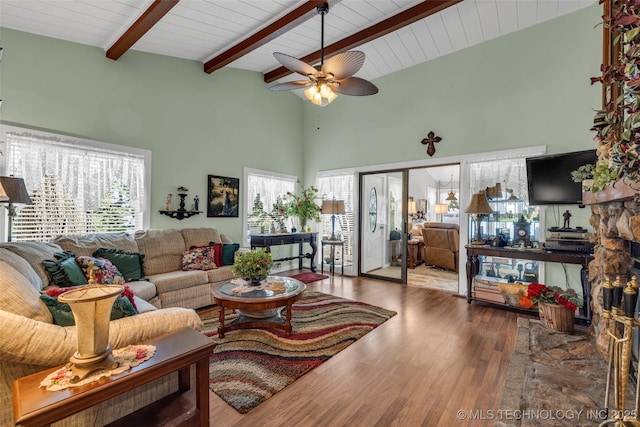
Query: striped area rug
x=249, y=366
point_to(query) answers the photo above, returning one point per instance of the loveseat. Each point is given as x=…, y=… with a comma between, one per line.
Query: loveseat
x=31, y=342
x=441, y=244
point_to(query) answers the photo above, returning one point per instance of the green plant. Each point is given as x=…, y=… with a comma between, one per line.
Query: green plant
x=253, y=264
x=583, y=172
x=603, y=175
x=303, y=206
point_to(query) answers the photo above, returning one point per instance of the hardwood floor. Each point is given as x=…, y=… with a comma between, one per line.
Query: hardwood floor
x=437, y=356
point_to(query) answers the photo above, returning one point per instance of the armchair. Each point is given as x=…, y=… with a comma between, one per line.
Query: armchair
x=441, y=244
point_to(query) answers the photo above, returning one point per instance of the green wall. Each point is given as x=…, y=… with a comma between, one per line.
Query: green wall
x=194, y=123
x=527, y=88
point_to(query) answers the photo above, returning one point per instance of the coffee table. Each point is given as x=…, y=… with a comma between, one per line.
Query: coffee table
x=258, y=307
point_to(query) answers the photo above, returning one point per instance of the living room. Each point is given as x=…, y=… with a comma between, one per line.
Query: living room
x=527, y=90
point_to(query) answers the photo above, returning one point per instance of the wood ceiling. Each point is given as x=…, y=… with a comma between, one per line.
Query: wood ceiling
x=394, y=34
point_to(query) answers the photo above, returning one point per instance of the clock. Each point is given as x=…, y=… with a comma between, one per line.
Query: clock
x=373, y=209
x=521, y=231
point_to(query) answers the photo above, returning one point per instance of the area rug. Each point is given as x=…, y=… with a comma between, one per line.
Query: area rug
x=309, y=277
x=433, y=278
x=251, y=365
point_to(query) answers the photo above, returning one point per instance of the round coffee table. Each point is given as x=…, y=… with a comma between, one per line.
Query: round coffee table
x=258, y=306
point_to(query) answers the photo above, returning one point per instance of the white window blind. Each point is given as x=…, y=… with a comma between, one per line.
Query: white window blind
x=76, y=186
x=339, y=187
x=263, y=192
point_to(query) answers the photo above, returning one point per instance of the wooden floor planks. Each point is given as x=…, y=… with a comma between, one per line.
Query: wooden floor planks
x=438, y=355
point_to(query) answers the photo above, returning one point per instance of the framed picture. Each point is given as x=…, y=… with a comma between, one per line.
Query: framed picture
x=222, y=196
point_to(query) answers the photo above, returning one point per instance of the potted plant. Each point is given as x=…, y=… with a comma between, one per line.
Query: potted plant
x=303, y=206
x=557, y=310
x=253, y=266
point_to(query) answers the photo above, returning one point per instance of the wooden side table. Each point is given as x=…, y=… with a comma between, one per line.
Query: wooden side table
x=332, y=265
x=35, y=406
x=415, y=249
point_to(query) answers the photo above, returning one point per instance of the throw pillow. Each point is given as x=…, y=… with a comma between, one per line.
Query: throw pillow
x=65, y=271
x=229, y=252
x=217, y=252
x=105, y=272
x=127, y=263
x=198, y=259
x=63, y=316
x=127, y=293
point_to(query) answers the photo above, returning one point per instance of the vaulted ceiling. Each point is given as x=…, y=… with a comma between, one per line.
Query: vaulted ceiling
x=394, y=34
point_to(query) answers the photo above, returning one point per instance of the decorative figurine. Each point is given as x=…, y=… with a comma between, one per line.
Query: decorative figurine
x=196, y=203
x=167, y=204
x=567, y=218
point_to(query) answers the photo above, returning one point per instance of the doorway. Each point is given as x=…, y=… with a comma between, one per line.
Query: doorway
x=383, y=226
x=396, y=205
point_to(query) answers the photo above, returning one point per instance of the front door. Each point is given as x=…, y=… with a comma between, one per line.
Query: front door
x=382, y=226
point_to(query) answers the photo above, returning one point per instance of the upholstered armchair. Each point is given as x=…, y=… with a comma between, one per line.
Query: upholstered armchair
x=441, y=244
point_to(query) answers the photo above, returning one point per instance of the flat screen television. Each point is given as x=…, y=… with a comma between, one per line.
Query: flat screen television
x=549, y=178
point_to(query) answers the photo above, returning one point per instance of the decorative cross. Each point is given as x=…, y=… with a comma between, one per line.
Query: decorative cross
x=430, y=141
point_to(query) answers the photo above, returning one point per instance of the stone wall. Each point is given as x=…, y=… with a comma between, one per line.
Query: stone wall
x=615, y=224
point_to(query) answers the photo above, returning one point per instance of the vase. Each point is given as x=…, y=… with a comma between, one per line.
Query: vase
x=556, y=317
x=303, y=224
x=256, y=280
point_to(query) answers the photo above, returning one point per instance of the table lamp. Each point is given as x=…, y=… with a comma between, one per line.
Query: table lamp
x=13, y=190
x=333, y=207
x=411, y=208
x=478, y=208
x=441, y=208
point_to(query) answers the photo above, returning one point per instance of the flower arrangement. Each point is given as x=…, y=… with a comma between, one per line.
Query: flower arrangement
x=538, y=292
x=303, y=206
x=253, y=265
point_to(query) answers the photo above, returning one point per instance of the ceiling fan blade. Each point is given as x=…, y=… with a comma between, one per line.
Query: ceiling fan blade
x=356, y=86
x=300, y=84
x=344, y=65
x=295, y=65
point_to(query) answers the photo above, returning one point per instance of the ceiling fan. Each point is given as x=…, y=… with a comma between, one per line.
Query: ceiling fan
x=329, y=78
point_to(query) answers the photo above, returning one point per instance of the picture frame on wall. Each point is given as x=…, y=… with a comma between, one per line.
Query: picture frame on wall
x=223, y=196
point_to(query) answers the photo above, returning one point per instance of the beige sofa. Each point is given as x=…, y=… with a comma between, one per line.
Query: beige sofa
x=166, y=285
x=30, y=342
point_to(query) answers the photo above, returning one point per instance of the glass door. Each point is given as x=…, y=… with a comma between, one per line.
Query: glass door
x=383, y=225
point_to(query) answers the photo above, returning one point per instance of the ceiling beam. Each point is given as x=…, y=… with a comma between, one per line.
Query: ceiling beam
x=286, y=23
x=149, y=18
x=382, y=28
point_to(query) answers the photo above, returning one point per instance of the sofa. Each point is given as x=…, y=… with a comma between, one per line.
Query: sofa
x=31, y=342
x=441, y=244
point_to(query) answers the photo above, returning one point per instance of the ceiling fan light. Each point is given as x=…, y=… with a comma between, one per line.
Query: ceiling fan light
x=310, y=92
x=325, y=90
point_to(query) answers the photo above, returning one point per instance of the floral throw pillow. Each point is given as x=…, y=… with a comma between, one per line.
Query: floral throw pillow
x=198, y=259
x=127, y=293
x=105, y=272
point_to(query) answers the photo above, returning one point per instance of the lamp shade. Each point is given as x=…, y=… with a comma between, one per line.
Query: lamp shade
x=13, y=190
x=412, y=207
x=332, y=206
x=441, y=208
x=479, y=205
x=451, y=197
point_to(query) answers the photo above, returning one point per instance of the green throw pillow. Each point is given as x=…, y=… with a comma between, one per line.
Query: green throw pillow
x=65, y=271
x=229, y=252
x=128, y=263
x=63, y=316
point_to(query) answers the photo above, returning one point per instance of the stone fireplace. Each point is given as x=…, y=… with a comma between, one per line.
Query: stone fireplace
x=616, y=226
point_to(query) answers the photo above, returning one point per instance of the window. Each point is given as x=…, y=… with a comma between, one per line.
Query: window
x=264, y=191
x=339, y=187
x=77, y=186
